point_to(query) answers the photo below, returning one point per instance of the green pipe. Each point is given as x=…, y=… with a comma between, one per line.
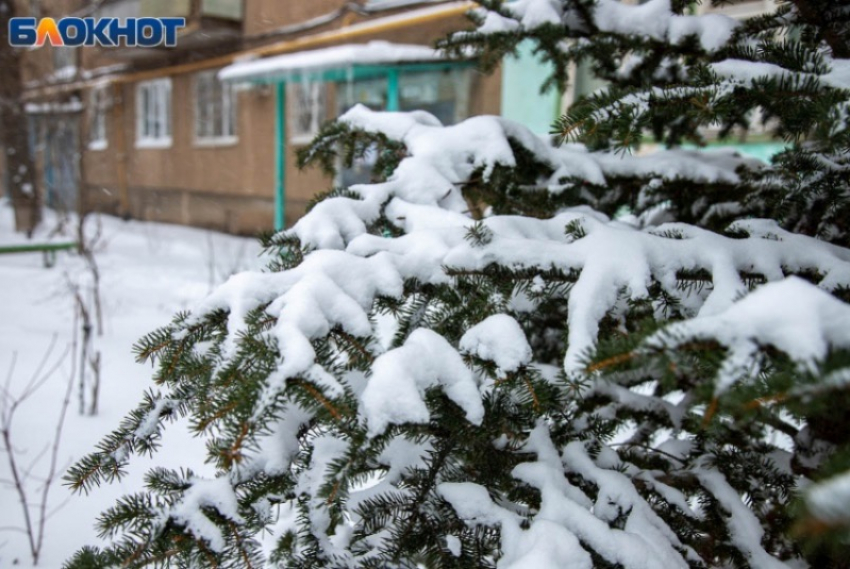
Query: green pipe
x=47, y=249
x=392, y=90
x=280, y=158
x=35, y=248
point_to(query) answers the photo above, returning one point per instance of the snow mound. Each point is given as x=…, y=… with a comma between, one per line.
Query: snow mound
x=498, y=338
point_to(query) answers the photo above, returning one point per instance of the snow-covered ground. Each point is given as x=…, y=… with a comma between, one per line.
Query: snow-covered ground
x=149, y=271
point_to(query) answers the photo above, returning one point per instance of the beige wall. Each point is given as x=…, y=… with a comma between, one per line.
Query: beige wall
x=38, y=63
x=240, y=169
x=188, y=182
x=263, y=16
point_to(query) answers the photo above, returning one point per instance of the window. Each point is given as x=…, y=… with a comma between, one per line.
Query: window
x=369, y=92
x=373, y=94
x=153, y=113
x=215, y=109
x=444, y=94
x=98, y=107
x=309, y=109
x=64, y=62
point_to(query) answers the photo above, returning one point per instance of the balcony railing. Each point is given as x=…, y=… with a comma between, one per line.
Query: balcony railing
x=192, y=9
x=209, y=23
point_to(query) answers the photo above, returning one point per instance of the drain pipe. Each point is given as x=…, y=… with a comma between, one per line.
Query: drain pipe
x=280, y=157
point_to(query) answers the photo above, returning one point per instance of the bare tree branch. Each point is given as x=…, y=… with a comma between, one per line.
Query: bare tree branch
x=34, y=521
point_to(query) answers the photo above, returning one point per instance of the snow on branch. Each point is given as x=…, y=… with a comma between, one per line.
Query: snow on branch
x=203, y=493
x=791, y=315
x=654, y=19
x=423, y=198
x=400, y=377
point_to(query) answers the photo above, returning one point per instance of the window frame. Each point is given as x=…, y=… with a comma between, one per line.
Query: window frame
x=318, y=110
x=156, y=93
x=99, y=104
x=65, y=61
x=458, y=80
x=214, y=93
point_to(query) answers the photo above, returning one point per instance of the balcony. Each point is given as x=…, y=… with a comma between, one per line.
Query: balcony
x=209, y=23
x=228, y=10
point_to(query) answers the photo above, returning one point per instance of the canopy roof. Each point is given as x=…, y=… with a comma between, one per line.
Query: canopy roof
x=328, y=62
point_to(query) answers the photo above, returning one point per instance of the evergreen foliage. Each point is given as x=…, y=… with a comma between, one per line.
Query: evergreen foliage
x=478, y=360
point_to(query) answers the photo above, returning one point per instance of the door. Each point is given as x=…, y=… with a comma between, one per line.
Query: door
x=61, y=162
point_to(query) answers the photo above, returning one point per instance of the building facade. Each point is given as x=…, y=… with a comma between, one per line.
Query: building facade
x=155, y=134
x=192, y=135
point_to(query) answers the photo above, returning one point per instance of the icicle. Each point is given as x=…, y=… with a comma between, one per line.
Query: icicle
x=349, y=86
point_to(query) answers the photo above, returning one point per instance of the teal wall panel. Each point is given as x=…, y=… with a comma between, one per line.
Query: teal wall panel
x=521, y=99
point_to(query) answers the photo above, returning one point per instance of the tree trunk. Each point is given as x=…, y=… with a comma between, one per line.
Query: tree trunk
x=13, y=132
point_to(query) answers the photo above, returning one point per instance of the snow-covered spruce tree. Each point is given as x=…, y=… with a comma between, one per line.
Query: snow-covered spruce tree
x=483, y=359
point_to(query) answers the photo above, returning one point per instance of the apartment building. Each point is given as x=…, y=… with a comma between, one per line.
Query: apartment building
x=161, y=134
x=206, y=133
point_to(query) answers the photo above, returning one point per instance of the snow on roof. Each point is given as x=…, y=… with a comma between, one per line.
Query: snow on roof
x=343, y=56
